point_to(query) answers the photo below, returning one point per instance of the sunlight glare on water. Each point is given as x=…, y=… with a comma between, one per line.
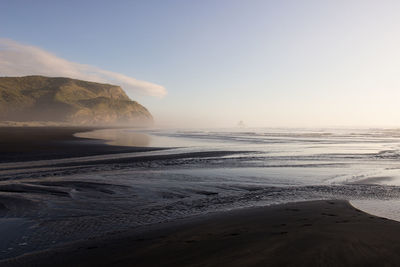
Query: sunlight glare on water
x=283, y=157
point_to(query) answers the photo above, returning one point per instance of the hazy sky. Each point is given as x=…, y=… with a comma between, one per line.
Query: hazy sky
x=214, y=63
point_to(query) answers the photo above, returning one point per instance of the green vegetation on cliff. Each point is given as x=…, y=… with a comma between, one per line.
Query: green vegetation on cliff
x=39, y=98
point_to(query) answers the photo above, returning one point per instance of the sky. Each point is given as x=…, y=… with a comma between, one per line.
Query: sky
x=213, y=63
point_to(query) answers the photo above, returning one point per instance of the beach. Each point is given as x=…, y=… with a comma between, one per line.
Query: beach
x=200, y=198
x=48, y=143
x=199, y=133
x=317, y=233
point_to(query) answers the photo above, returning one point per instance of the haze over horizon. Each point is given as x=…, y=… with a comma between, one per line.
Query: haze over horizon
x=199, y=133
x=215, y=63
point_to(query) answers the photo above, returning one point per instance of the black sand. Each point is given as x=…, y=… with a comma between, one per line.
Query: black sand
x=318, y=233
x=44, y=143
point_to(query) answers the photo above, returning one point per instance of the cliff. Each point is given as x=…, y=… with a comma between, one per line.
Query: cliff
x=71, y=101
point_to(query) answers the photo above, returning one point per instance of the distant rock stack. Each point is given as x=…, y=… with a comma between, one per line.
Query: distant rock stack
x=241, y=124
x=70, y=101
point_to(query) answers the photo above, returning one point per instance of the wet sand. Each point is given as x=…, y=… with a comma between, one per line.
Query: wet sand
x=47, y=143
x=317, y=233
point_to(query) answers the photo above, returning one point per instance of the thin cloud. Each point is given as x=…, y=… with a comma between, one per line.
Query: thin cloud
x=19, y=60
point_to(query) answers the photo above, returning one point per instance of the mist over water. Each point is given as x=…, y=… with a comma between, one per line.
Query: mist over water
x=360, y=165
x=197, y=172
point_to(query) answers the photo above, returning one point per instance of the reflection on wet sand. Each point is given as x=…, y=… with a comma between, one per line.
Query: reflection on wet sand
x=99, y=189
x=134, y=138
x=118, y=137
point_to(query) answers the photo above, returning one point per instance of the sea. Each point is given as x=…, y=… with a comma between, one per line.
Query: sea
x=192, y=172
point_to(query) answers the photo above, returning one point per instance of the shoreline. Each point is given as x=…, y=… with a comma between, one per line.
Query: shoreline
x=313, y=233
x=22, y=144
